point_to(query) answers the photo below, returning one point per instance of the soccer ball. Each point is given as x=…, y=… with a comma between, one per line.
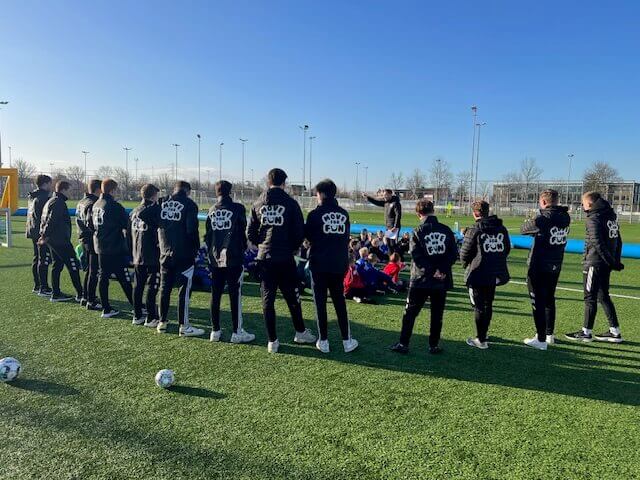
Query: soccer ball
x=9, y=369
x=165, y=378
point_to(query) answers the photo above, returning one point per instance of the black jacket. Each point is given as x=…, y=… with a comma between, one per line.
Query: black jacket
x=484, y=253
x=83, y=214
x=109, y=221
x=55, y=222
x=226, y=233
x=143, y=229
x=327, y=230
x=603, y=242
x=392, y=211
x=549, y=230
x=276, y=226
x=178, y=228
x=37, y=199
x=432, y=247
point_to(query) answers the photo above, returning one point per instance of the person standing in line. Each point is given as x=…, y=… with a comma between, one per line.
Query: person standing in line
x=109, y=221
x=41, y=254
x=143, y=229
x=602, y=253
x=327, y=230
x=84, y=211
x=433, y=251
x=55, y=232
x=484, y=253
x=276, y=227
x=226, y=239
x=392, y=215
x=549, y=230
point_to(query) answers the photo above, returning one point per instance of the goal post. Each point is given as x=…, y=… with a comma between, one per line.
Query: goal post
x=5, y=227
x=9, y=189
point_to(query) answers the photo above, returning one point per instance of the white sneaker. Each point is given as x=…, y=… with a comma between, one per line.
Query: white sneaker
x=357, y=299
x=272, y=347
x=474, y=342
x=152, y=323
x=551, y=339
x=138, y=321
x=190, y=331
x=304, y=337
x=535, y=343
x=162, y=327
x=215, y=336
x=111, y=313
x=242, y=337
x=350, y=345
x=323, y=345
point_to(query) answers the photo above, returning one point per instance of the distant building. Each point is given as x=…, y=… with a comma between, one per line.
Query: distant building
x=442, y=195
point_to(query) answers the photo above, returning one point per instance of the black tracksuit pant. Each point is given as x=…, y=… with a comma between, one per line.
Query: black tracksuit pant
x=40, y=265
x=321, y=282
x=542, y=290
x=232, y=278
x=176, y=272
x=90, y=283
x=283, y=275
x=596, y=290
x=148, y=275
x=416, y=298
x=482, y=300
x=65, y=256
x=113, y=265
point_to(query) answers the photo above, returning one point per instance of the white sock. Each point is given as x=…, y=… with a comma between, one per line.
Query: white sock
x=615, y=330
x=586, y=331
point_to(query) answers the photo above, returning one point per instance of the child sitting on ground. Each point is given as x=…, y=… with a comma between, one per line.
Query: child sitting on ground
x=393, y=269
x=354, y=287
x=376, y=249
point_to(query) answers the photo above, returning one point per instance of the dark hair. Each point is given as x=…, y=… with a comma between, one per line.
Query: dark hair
x=388, y=190
x=94, y=185
x=42, y=180
x=481, y=207
x=276, y=177
x=593, y=196
x=148, y=190
x=550, y=196
x=222, y=188
x=424, y=207
x=182, y=186
x=108, y=186
x=62, y=185
x=327, y=188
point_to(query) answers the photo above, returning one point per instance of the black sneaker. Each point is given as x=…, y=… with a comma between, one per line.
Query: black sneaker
x=60, y=297
x=36, y=290
x=94, y=306
x=79, y=299
x=45, y=292
x=83, y=302
x=400, y=348
x=112, y=312
x=579, y=336
x=435, y=350
x=608, y=337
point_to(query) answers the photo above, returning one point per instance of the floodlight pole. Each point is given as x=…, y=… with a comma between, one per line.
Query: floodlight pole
x=126, y=158
x=243, y=140
x=1, y=103
x=176, y=145
x=311, y=139
x=136, y=160
x=357, y=172
x=475, y=187
x=366, y=178
x=304, y=129
x=86, y=177
x=570, y=157
x=474, y=111
x=220, y=162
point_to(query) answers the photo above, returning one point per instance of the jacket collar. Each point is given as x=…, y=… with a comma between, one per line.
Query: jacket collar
x=61, y=196
x=429, y=219
x=91, y=196
x=106, y=196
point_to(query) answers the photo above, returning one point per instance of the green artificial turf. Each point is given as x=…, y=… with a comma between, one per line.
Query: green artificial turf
x=86, y=405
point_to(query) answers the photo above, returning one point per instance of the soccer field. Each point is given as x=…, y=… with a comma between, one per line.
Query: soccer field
x=86, y=405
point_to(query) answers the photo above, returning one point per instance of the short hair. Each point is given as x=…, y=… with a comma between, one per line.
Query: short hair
x=327, y=188
x=62, y=185
x=394, y=257
x=222, y=188
x=42, y=180
x=108, y=186
x=94, y=185
x=364, y=251
x=481, y=207
x=424, y=207
x=353, y=242
x=375, y=242
x=550, y=196
x=593, y=196
x=276, y=177
x=148, y=190
x=373, y=258
x=364, y=230
x=388, y=190
x=182, y=186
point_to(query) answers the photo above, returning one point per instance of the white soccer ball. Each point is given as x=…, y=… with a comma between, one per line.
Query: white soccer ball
x=9, y=369
x=165, y=378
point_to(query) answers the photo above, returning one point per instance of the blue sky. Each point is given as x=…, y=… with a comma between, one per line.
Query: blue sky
x=387, y=84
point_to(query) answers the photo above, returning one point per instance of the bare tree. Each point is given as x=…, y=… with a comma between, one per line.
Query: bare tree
x=104, y=171
x=75, y=175
x=396, y=180
x=26, y=170
x=530, y=174
x=462, y=182
x=164, y=182
x=415, y=182
x=599, y=176
x=441, y=177
x=124, y=179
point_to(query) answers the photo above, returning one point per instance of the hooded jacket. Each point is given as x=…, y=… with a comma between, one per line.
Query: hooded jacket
x=143, y=230
x=178, y=228
x=327, y=230
x=56, y=222
x=603, y=242
x=37, y=199
x=83, y=214
x=484, y=253
x=226, y=233
x=108, y=221
x=392, y=211
x=276, y=226
x=432, y=247
x=549, y=230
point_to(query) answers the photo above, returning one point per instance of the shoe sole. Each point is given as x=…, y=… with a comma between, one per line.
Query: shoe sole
x=58, y=300
x=303, y=342
x=109, y=315
x=238, y=342
x=535, y=348
x=476, y=346
x=583, y=340
x=350, y=349
x=609, y=340
x=137, y=323
x=187, y=335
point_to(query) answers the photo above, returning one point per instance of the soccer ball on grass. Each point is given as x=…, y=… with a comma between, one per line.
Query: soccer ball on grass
x=165, y=378
x=9, y=369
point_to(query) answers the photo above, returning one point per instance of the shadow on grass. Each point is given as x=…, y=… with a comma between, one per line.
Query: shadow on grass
x=196, y=392
x=43, y=386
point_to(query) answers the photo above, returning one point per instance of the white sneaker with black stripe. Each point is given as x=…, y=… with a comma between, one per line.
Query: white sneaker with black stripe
x=304, y=337
x=190, y=331
x=609, y=337
x=242, y=337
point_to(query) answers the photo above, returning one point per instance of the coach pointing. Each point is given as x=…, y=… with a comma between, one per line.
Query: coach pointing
x=392, y=213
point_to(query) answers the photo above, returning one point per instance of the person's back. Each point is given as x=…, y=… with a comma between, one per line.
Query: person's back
x=484, y=252
x=109, y=220
x=145, y=248
x=433, y=249
x=178, y=227
x=549, y=229
x=83, y=214
x=225, y=235
x=37, y=200
x=41, y=255
x=603, y=241
x=327, y=230
x=55, y=221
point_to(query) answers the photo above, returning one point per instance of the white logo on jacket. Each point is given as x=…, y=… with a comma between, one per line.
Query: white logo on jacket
x=558, y=235
x=614, y=228
x=492, y=243
x=334, y=223
x=272, y=215
x=171, y=210
x=138, y=225
x=98, y=216
x=220, y=219
x=435, y=243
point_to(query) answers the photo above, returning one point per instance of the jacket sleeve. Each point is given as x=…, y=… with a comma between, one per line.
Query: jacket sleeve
x=398, y=208
x=452, y=249
x=208, y=232
x=419, y=256
x=375, y=201
x=46, y=222
x=469, y=248
x=599, y=243
x=530, y=227
x=124, y=219
x=254, y=227
x=192, y=227
x=507, y=242
x=308, y=227
x=242, y=226
x=38, y=205
x=296, y=231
